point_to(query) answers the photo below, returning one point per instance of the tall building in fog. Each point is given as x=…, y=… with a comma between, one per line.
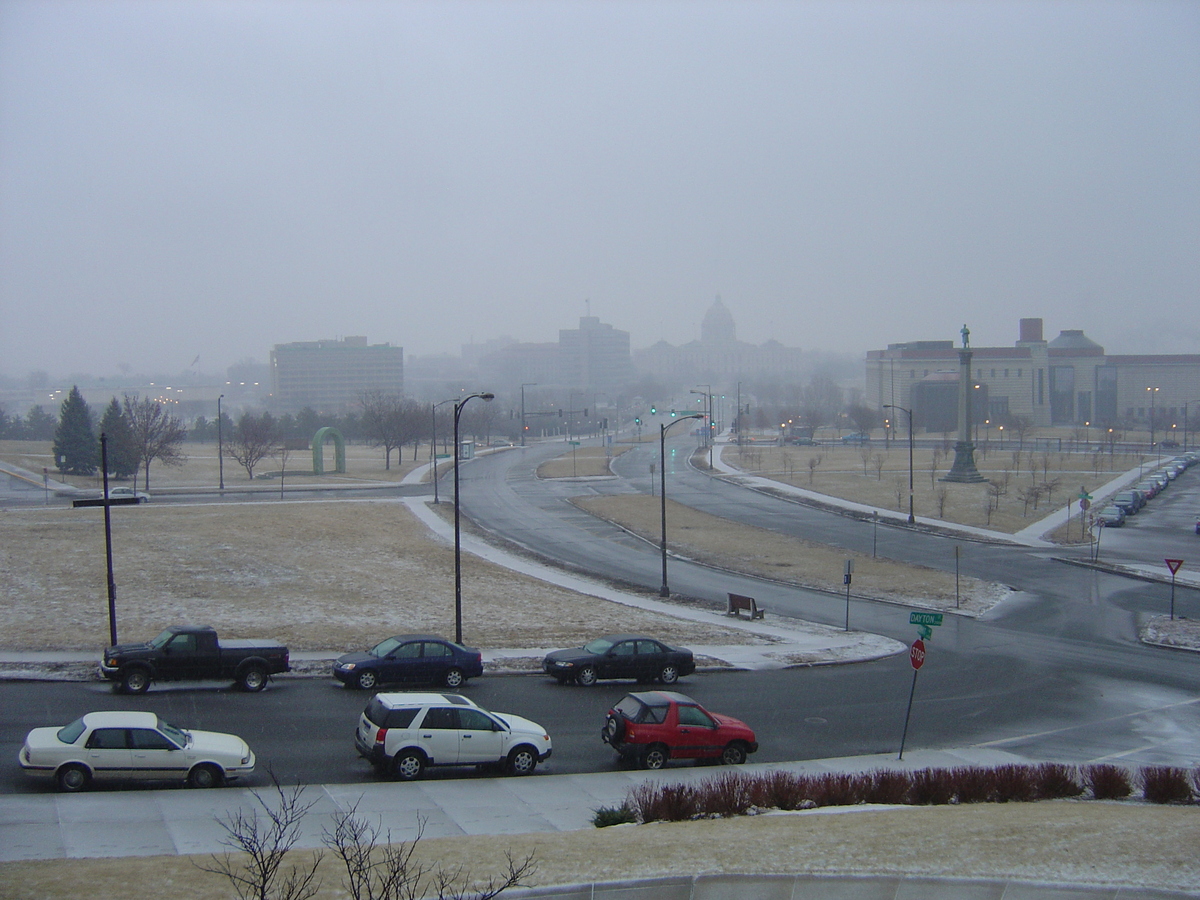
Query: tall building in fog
x=331, y=375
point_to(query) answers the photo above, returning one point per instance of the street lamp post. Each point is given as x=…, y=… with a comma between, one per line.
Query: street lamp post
x=457, y=528
x=665, y=591
x=523, y=386
x=1153, y=391
x=220, y=445
x=433, y=445
x=707, y=394
x=911, y=518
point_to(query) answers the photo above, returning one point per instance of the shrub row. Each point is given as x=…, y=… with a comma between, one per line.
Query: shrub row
x=736, y=793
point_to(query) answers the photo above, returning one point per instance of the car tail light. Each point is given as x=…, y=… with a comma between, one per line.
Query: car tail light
x=381, y=736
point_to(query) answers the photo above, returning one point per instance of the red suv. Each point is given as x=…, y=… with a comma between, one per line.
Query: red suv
x=655, y=726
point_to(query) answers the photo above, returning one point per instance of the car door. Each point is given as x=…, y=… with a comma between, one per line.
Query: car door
x=438, y=735
x=179, y=657
x=436, y=658
x=402, y=664
x=651, y=657
x=480, y=737
x=696, y=733
x=107, y=754
x=620, y=661
x=155, y=756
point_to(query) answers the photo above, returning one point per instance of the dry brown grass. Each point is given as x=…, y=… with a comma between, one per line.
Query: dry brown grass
x=1088, y=842
x=877, y=475
x=317, y=575
x=757, y=551
x=582, y=462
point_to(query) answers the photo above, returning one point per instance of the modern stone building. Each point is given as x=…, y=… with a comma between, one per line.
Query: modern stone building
x=1069, y=381
x=331, y=375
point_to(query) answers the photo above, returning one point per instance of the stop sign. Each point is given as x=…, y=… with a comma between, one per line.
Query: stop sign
x=916, y=655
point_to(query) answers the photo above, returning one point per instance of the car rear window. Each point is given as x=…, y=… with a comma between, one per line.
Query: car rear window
x=400, y=718
x=638, y=712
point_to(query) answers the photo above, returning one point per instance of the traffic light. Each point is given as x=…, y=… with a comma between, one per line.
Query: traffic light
x=637, y=420
x=585, y=409
x=653, y=411
x=560, y=413
x=672, y=414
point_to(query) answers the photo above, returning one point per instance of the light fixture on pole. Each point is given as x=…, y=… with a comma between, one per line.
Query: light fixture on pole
x=220, y=445
x=523, y=386
x=665, y=591
x=457, y=528
x=433, y=444
x=1153, y=391
x=911, y=518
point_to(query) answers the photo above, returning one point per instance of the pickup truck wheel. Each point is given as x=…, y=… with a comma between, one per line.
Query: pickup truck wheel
x=733, y=755
x=253, y=678
x=73, y=778
x=205, y=776
x=522, y=761
x=366, y=680
x=668, y=675
x=586, y=676
x=135, y=681
x=454, y=678
x=409, y=765
x=655, y=757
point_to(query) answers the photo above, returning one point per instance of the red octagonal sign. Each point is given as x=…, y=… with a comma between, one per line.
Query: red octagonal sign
x=916, y=655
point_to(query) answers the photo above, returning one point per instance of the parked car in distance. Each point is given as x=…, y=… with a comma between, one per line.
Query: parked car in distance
x=423, y=658
x=403, y=734
x=1111, y=517
x=128, y=493
x=1197, y=524
x=620, y=656
x=802, y=442
x=860, y=437
x=1130, y=501
x=653, y=727
x=133, y=746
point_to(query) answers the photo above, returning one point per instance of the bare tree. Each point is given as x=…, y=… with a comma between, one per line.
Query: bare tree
x=382, y=422
x=1051, y=485
x=155, y=434
x=934, y=459
x=254, y=439
x=942, y=496
x=1022, y=425
x=866, y=458
x=813, y=462
x=877, y=461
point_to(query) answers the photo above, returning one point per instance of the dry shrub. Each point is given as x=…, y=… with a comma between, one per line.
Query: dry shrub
x=1013, y=783
x=726, y=795
x=888, y=786
x=656, y=802
x=838, y=789
x=932, y=787
x=1054, y=781
x=1165, y=784
x=971, y=784
x=1108, y=782
x=781, y=790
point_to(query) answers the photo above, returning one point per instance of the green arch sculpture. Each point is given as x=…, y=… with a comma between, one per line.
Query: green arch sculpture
x=318, y=449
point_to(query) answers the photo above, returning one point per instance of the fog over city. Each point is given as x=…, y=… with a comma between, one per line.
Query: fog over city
x=184, y=185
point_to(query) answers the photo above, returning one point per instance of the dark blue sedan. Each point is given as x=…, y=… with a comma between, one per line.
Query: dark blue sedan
x=620, y=656
x=410, y=657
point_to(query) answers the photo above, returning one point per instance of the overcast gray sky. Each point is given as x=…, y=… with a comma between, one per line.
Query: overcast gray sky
x=182, y=179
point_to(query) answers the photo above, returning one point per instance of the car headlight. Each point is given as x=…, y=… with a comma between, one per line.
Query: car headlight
x=563, y=664
x=347, y=666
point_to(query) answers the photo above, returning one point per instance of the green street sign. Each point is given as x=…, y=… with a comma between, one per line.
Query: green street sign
x=574, y=443
x=925, y=632
x=924, y=618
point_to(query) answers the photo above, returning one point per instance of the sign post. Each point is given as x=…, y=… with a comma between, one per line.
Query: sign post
x=1173, y=565
x=847, y=574
x=916, y=656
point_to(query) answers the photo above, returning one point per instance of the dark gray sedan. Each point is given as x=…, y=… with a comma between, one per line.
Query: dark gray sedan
x=620, y=656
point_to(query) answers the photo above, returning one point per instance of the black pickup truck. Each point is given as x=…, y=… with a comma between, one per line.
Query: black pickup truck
x=193, y=653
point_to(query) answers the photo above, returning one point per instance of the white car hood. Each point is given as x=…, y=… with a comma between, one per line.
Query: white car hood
x=520, y=724
x=214, y=743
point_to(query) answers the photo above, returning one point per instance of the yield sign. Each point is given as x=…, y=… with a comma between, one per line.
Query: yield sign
x=1173, y=564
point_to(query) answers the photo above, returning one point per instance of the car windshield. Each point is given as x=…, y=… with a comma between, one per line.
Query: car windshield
x=599, y=645
x=69, y=734
x=175, y=733
x=384, y=647
x=161, y=641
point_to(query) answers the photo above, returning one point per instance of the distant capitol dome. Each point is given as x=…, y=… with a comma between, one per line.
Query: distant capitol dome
x=718, y=327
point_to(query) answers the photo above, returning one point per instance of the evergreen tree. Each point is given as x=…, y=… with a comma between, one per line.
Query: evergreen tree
x=39, y=425
x=76, y=449
x=122, y=454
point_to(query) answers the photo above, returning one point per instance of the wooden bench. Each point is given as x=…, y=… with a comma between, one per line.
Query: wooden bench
x=738, y=602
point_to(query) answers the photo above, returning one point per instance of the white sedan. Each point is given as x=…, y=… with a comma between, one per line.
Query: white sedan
x=133, y=746
x=128, y=493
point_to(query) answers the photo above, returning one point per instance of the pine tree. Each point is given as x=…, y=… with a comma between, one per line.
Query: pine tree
x=76, y=449
x=122, y=454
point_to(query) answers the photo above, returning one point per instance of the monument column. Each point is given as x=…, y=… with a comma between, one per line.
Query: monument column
x=963, y=471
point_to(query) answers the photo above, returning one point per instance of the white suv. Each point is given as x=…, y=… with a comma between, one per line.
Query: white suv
x=403, y=733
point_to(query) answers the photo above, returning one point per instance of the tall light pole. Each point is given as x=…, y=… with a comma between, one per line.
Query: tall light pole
x=911, y=518
x=707, y=393
x=1153, y=391
x=220, y=444
x=523, y=386
x=433, y=445
x=457, y=530
x=665, y=591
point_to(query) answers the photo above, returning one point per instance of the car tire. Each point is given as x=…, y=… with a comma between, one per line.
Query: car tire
x=586, y=676
x=733, y=755
x=669, y=674
x=135, y=680
x=366, y=680
x=73, y=778
x=454, y=678
x=614, y=729
x=205, y=776
x=409, y=765
x=522, y=761
x=253, y=679
x=655, y=757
